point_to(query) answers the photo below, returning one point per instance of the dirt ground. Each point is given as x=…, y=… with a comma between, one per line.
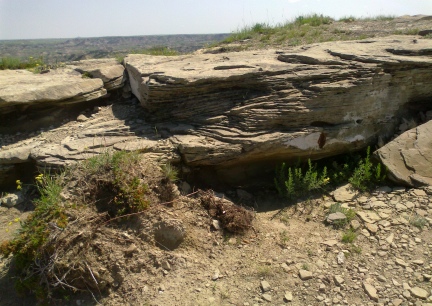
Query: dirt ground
x=213, y=267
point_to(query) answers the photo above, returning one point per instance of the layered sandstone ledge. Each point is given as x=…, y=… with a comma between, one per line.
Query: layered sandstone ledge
x=236, y=112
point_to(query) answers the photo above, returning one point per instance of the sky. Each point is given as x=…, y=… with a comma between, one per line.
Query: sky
x=31, y=19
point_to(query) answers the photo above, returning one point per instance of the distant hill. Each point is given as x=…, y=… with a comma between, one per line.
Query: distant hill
x=63, y=50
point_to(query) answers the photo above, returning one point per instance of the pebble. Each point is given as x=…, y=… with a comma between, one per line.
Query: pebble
x=305, y=275
x=265, y=286
x=370, y=291
x=267, y=297
x=288, y=296
x=419, y=293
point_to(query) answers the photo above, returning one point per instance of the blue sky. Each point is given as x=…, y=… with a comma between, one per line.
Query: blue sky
x=21, y=19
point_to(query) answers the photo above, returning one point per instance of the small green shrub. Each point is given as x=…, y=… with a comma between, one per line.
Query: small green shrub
x=86, y=75
x=293, y=182
x=30, y=245
x=418, y=221
x=349, y=236
x=111, y=173
x=366, y=174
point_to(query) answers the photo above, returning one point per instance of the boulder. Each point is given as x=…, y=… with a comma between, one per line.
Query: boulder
x=408, y=158
x=108, y=70
x=21, y=89
x=264, y=106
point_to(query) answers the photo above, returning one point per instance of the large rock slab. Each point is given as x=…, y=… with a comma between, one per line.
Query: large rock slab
x=108, y=70
x=113, y=127
x=20, y=89
x=269, y=105
x=408, y=158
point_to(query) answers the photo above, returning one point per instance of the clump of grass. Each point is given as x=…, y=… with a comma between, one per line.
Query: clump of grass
x=407, y=32
x=355, y=249
x=293, y=182
x=348, y=19
x=378, y=18
x=314, y=20
x=248, y=32
x=305, y=266
x=264, y=271
x=284, y=238
x=418, y=221
x=170, y=172
x=157, y=51
x=349, y=236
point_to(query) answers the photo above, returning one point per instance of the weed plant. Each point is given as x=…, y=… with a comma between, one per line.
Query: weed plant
x=30, y=245
x=349, y=236
x=293, y=182
x=297, y=181
x=366, y=175
x=418, y=221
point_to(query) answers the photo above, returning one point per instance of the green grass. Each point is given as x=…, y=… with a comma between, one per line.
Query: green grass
x=305, y=29
x=349, y=236
x=407, y=32
x=17, y=63
x=314, y=20
x=170, y=172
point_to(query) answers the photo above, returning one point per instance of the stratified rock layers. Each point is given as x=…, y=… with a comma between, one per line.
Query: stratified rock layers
x=233, y=114
x=313, y=101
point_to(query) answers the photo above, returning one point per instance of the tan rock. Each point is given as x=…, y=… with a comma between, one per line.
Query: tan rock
x=108, y=70
x=407, y=157
x=370, y=291
x=22, y=88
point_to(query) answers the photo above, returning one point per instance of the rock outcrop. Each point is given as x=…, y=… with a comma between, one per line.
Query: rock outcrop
x=408, y=158
x=20, y=89
x=108, y=70
x=307, y=102
x=235, y=114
